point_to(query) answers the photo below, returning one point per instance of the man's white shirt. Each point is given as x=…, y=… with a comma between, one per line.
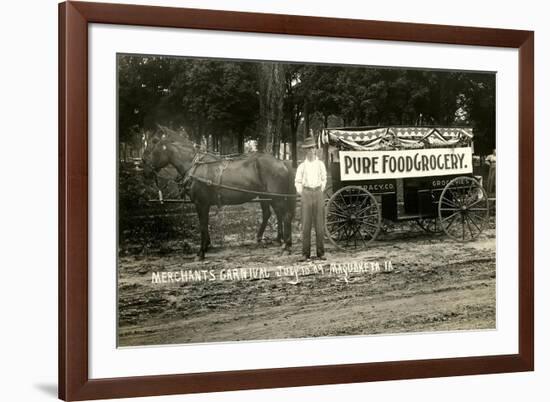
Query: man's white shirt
x=311, y=174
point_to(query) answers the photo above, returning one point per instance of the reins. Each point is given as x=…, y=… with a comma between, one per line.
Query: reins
x=242, y=190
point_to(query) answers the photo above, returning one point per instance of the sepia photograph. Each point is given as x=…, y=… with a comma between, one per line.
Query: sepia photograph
x=269, y=200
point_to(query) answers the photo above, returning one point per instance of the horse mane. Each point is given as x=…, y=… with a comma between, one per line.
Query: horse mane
x=172, y=136
x=181, y=142
x=181, y=146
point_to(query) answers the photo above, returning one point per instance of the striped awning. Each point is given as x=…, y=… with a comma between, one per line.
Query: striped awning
x=397, y=137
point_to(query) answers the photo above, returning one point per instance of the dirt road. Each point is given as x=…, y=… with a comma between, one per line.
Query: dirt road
x=432, y=284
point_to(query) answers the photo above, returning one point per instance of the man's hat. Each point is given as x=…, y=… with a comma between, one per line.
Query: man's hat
x=309, y=142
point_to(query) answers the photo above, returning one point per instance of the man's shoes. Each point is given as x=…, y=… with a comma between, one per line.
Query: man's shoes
x=322, y=257
x=304, y=258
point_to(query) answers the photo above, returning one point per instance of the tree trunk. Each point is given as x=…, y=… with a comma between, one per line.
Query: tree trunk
x=240, y=145
x=294, y=122
x=306, y=119
x=293, y=146
x=272, y=90
x=325, y=146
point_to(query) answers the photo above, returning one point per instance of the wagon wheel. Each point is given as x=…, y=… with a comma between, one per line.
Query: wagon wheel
x=353, y=218
x=463, y=208
x=430, y=225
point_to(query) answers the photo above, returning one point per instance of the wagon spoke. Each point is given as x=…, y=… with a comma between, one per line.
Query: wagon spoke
x=370, y=230
x=337, y=214
x=343, y=199
x=363, y=240
x=356, y=232
x=336, y=221
x=352, y=236
x=469, y=227
x=355, y=198
x=477, y=202
x=480, y=219
x=480, y=215
x=374, y=226
x=459, y=199
x=370, y=224
x=366, y=229
x=450, y=216
x=347, y=237
x=477, y=227
x=450, y=223
x=449, y=202
x=338, y=207
x=365, y=209
x=365, y=213
x=340, y=227
x=342, y=232
x=367, y=216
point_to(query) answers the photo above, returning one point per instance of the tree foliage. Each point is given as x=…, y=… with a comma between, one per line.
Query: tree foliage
x=273, y=102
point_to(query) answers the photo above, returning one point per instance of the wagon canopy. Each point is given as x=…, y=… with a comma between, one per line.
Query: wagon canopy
x=397, y=137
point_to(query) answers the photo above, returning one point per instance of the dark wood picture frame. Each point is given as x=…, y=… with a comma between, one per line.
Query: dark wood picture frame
x=74, y=382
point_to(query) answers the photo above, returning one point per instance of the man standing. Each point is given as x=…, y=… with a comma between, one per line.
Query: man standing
x=310, y=182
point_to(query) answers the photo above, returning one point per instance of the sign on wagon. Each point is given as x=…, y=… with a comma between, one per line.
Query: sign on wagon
x=372, y=165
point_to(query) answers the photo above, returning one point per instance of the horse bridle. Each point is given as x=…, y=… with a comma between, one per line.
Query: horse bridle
x=186, y=177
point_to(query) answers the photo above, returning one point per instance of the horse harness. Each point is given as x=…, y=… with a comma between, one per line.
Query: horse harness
x=224, y=163
x=218, y=173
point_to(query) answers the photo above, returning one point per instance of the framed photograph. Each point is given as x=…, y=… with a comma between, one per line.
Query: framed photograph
x=259, y=200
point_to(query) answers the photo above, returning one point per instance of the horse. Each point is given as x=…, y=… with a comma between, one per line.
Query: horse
x=166, y=133
x=217, y=181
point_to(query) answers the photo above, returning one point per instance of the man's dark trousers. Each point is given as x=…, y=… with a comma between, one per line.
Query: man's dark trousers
x=313, y=211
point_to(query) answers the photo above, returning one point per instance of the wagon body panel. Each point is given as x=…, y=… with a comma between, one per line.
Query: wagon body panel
x=429, y=196
x=418, y=195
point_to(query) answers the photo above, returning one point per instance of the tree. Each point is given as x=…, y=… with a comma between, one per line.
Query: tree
x=272, y=90
x=142, y=83
x=230, y=102
x=213, y=98
x=293, y=105
x=478, y=104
